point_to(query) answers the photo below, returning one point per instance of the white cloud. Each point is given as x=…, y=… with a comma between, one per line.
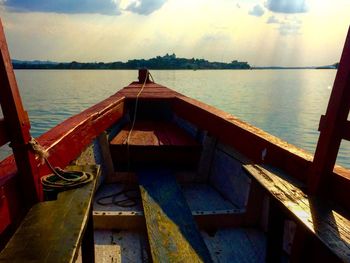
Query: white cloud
x=257, y=10
x=290, y=28
x=288, y=25
x=145, y=7
x=272, y=20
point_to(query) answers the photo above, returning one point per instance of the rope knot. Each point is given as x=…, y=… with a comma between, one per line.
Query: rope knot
x=39, y=150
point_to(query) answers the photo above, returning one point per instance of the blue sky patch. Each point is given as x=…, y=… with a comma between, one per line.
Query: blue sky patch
x=105, y=7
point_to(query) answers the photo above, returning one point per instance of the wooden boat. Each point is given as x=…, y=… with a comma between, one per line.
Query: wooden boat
x=174, y=180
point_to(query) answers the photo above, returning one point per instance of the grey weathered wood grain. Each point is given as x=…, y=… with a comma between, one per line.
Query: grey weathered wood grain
x=172, y=232
x=329, y=223
x=52, y=231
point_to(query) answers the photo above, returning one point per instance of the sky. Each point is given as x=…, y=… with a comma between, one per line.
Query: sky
x=261, y=32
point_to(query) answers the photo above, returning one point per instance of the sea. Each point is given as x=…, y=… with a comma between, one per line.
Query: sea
x=285, y=103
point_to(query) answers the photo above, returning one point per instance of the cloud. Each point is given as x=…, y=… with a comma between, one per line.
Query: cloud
x=290, y=28
x=272, y=20
x=288, y=25
x=145, y=7
x=257, y=10
x=287, y=6
x=215, y=37
x=105, y=7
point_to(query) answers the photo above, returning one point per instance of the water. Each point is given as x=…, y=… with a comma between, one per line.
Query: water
x=285, y=103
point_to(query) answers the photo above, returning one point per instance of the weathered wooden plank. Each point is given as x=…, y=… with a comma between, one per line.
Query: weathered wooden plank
x=254, y=205
x=239, y=245
x=203, y=197
x=208, y=207
x=143, y=134
x=147, y=133
x=172, y=233
x=151, y=91
x=154, y=142
x=119, y=247
x=52, y=231
x=326, y=221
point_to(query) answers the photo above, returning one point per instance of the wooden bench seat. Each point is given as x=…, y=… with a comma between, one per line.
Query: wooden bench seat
x=161, y=143
x=172, y=232
x=53, y=231
x=319, y=218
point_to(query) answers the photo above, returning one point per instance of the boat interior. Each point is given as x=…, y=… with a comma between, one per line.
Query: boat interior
x=174, y=180
x=174, y=175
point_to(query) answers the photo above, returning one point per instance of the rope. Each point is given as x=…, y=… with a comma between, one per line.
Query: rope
x=130, y=201
x=136, y=104
x=59, y=179
x=134, y=117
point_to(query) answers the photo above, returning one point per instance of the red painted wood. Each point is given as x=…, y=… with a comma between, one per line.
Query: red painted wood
x=74, y=134
x=64, y=143
x=77, y=132
x=245, y=138
x=14, y=211
x=5, y=219
x=143, y=134
x=345, y=129
x=154, y=143
x=67, y=140
x=18, y=125
x=332, y=127
x=4, y=138
x=151, y=91
x=146, y=133
x=170, y=134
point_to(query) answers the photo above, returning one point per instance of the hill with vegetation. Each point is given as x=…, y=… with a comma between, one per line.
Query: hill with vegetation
x=159, y=62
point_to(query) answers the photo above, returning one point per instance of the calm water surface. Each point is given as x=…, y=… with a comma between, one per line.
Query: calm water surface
x=285, y=103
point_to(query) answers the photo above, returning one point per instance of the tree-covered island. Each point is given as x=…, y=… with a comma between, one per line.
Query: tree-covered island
x=159, y=62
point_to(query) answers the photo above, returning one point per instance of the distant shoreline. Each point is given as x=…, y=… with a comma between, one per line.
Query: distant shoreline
x=167, y=62
x=253, y=68
x=170, y=62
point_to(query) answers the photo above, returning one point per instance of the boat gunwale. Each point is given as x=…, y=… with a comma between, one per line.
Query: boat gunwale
x=103, y=114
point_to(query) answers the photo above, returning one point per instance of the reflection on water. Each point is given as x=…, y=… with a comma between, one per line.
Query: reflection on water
x=285, y=103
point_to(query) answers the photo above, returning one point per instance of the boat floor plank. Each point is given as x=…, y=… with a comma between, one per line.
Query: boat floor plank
x=172, y=232
x=203, y=197
x=208, y=207
x=236, y=245
x=119, y=247
x=200, y=197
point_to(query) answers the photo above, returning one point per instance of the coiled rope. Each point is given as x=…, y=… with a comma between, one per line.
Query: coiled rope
x=60, y=178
